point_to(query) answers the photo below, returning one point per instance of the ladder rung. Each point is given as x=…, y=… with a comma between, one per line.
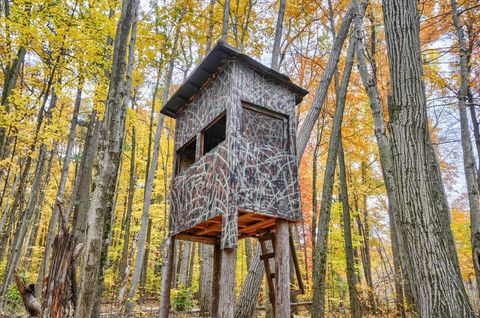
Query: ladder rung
x=267, y=256
x=266, y=237
x=294, y=293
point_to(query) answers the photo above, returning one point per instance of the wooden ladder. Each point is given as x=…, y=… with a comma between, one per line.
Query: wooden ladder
x=268, y=252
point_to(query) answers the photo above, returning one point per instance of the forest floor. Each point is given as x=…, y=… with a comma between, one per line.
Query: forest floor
x=146, y=310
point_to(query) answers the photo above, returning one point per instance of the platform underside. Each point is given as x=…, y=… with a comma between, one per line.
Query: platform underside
x=209, y=232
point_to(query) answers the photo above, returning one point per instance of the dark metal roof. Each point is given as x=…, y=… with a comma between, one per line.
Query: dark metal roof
x=220, y=53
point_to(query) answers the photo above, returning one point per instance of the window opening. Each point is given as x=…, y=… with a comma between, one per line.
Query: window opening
x=186, y=156
x=214, y=134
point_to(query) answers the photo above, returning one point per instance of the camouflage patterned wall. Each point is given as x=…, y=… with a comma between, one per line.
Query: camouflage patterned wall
x=254, y=169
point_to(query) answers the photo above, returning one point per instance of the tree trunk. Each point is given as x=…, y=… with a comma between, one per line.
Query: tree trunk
x=282, y=269
x=248, y=252
x=217, y=268
x=10, y=77
x=109, y=160
x=385, y=153
x=61, y=189
x=128, y=214
x=81, y=201
x=206, y=265
x=143, y=277
x=167, y=278
x=183, y=275
x=247, y=300
x=226, y=299
x=321, y=245
x=20, y=233
x=38, y=211
x=61, y=291
x=18, y=197
x=151, y=177
x=423, y=222
x=468, y=157
x=366, y=257
x=347, y=232
x=211, y=7
x=321, y=92
x=278, y=35
x=226, y=13
x=316, y=155
x=191, y=266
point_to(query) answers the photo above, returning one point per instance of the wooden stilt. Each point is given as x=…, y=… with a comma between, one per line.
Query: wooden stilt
x=217, y=267
x=167, y=279
x=226, y=302
x=282, y=270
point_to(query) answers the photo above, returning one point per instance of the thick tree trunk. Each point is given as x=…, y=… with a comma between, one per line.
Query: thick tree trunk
x=385, y=153
x=423, y=222
x=468, y=158
x=206, y=265
x=321, y=245
x=109, y=160
x=247, y=300
x=226, y=300
x=81, y=201
x=167, y=278
x=347, y=232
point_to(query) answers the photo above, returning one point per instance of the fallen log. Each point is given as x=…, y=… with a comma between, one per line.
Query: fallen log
x=28, y=297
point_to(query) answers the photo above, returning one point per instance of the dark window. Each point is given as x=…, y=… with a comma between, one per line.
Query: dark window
x=214, y=133
x=186, y=156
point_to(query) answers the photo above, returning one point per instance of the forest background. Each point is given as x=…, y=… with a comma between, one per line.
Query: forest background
x=56, y=58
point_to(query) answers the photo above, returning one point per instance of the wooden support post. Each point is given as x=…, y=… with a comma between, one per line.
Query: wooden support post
x=282, y=270
x=167, y=279
x=217, y=267
x=226, y=302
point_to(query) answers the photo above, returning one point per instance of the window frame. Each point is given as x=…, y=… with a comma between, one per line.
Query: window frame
x=178, y=157
x=212, y=123
x=271, y=113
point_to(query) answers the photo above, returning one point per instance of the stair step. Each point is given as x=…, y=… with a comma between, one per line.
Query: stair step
x=266, y=237
x=267, y=256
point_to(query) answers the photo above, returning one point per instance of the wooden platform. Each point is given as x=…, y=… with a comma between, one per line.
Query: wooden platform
x=209, y=232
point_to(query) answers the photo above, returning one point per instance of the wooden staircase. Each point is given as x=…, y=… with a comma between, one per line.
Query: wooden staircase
x=267, y=245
